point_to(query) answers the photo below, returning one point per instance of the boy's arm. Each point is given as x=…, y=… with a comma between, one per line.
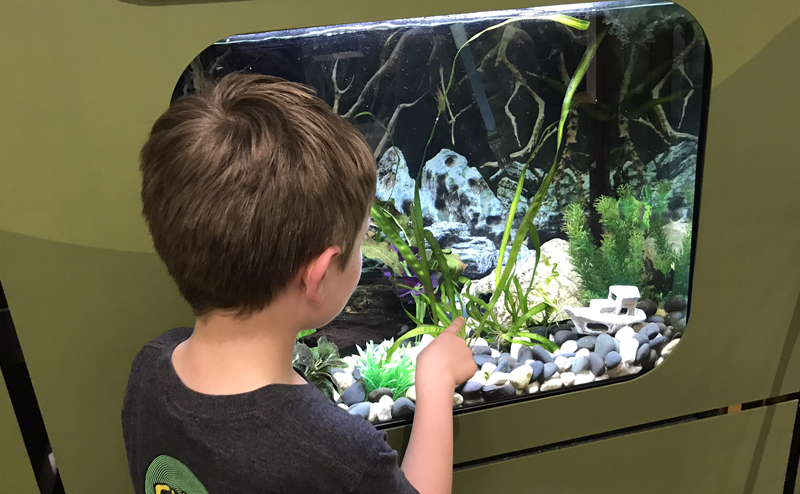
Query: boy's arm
x=446, y=362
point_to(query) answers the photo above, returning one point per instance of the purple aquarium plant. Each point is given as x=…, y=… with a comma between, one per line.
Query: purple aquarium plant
x=411, y=279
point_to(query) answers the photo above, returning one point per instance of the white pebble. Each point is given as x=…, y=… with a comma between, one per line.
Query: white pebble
x=568, y=378
x=634, y=369
x=619, y=371
x=343, y=406
x=425, y=341
x=336, y=395
x=584, y=377
x=667, y=351
x=479, y=377
x=570, y=346
x=519, y=392
x=457, y=399
x=373, y=413
x=351, y=363
x=479, y=342
x=386, y=400
x=583, y=352
x=532, y=387
x=659, y=361
x=625, y=332
x=411, y=394
x=529, y=361
x=563, y=364
x=497, y=379
x=602, y=377
x=488, y=367
x=343, y=380
x=627, y=350
x=551, y=384
x=521, y=376
x=495, y=353
x=384, y=411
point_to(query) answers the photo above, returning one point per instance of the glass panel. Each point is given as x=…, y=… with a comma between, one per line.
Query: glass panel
x=609, y=208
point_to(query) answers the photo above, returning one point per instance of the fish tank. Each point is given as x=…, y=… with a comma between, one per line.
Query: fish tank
x=538, y=174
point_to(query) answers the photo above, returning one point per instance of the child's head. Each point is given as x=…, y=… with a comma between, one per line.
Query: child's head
x=248, y=185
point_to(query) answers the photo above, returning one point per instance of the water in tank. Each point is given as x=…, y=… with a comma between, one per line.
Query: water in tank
x=538, y=174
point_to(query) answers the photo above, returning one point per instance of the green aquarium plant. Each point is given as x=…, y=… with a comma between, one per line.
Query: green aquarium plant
x=395, y=373
x=317, y=364
x=454, y=304
x=624, y=257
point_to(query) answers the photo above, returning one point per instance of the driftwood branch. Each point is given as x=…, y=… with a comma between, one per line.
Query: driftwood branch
x=393, y=122
x=337, y=93
x=652, y=127
x=372, y=84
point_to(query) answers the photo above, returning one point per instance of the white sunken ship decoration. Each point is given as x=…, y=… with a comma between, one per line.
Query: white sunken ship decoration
x=607, y=315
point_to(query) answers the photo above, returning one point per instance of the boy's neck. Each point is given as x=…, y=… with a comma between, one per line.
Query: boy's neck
x=227, y=355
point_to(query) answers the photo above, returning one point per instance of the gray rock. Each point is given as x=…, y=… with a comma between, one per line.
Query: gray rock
x=470, y=389
x=596, y=364
x=579, y=364
x=493, y=392
x=658, y=343
x=525, y=354
x=641, y=338
x=394, y=180
x=655, y=319
x=587, y=342
x=354, y=394
x=509, y=362
x=651, y=330
x=538, y=370
x=642, y=354
x=563, y=336
x=680, y=325
x=361, y=409
x=648, y=306
x=403, y=408
x=502, y=366
x=651, y=359
x=481, y=350
x=550, y=369
x=357, y=373
x=672, y=318
x=661, y=327
x=675, y=304
x=567, y=355
x=541, y=354
x=612, y=360
x=478, y=253
x=482, y=359
x=604, y=344
x=376, y=394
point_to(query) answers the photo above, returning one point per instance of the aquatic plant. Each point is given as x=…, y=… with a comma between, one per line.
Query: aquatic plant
x=622, y=258
x=395, y=373
x=305, y=332
x=504, y=270
x=316, y=364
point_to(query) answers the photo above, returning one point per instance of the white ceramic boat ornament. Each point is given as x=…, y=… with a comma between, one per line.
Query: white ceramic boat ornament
x=607, y=315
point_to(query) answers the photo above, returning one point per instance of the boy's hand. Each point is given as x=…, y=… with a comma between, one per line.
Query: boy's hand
x=447, y=359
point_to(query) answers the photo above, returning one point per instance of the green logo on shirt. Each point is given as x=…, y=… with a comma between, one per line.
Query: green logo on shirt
x=166, y=475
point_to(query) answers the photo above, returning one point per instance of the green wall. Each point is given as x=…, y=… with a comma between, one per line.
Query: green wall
x=84, y=80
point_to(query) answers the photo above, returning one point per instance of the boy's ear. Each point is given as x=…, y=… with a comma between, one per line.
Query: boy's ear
x=315, y=271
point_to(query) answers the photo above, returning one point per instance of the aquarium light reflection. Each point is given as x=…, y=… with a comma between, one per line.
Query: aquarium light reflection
x=577, y=8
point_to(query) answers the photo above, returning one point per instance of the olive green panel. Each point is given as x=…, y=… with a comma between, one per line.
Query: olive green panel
x=85, y=79
x=741, y=452
x=86, y=314
x=16, y=474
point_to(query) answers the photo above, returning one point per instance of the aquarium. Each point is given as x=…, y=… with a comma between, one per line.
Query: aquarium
x=538, y=174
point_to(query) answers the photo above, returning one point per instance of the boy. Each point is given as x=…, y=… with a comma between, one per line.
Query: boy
x=257, y=197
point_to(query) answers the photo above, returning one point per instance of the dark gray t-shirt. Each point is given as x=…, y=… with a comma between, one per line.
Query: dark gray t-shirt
x=276, y=439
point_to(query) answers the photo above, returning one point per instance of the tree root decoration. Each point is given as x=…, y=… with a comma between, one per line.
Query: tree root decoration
x=510, y=115
x=629, y=150
x=677, y=64
x=371, y=85
x=337, y=93
x=652, y=127
x=393, y=122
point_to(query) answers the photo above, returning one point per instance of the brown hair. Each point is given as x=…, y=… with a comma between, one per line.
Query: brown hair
x=245, y=182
